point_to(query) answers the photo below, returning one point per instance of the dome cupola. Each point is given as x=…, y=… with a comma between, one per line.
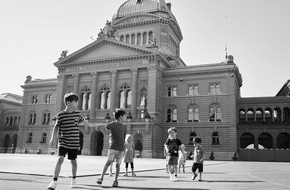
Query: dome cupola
x=132, y=7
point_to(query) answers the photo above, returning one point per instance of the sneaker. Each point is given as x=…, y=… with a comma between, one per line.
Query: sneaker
x=125, y=174
x=133, y=174
x=52, y=185
x=194, y=176
x=199, y=179
x=171, y=177
x=115, y=184
x=174, y=179
x=73, y=183
x=100, y=181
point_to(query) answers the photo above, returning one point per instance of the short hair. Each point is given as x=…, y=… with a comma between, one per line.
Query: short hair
x=172, y=129
x=70, y=97
x=196, y=139
x=119, y=113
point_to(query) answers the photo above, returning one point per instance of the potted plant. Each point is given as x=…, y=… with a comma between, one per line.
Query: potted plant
x=211, y=157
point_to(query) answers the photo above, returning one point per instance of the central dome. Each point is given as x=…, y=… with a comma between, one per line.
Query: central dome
x=131, y=7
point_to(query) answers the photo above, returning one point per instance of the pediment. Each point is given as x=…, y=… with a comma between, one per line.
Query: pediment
x=102, y=50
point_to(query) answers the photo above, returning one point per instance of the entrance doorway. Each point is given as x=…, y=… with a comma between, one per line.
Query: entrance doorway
x=97, y=143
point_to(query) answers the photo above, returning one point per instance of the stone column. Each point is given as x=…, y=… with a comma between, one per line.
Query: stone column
x=134, y=92
x=151, y=91
x=76, y=83
x=113, y=91
x=59, y=105
x=93, y=95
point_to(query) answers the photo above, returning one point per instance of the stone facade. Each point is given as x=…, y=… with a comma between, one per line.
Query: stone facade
x=135, y=65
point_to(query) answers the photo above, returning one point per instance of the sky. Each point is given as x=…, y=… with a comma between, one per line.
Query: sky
x=33, y=33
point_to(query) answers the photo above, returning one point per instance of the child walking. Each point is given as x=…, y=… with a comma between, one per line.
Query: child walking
x=67, y=126
x=182, y=158
x=172, y=146
x=116, y=147
x=129, y=154
x=197, y=158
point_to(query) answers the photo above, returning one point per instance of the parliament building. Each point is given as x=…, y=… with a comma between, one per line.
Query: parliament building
x=135, y=65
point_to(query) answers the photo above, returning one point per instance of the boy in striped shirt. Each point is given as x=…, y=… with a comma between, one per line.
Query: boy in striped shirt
x=67, y=126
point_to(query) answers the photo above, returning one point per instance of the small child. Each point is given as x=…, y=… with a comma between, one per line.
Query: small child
x=116, y=148
x=182, y=158
x=67, y=128
x=129, y=154
x=197, y=158
x=172, y=146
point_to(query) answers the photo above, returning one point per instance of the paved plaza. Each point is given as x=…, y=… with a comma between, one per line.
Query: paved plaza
x=34, y=172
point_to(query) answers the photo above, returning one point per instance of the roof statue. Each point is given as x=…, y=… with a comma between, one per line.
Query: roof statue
x=154, y=43
x=107, y=31
x=63, y=54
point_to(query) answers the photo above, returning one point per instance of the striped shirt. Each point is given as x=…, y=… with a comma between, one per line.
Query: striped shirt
x=68, y=129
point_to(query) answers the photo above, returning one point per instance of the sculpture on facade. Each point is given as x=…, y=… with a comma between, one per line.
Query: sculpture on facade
x=107, y=31
x=63, y=54
x=143, y=101
x=154, y=43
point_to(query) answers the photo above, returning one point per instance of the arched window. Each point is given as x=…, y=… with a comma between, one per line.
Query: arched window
x=215, y=113
x=268, y=115
x=85, y=99
x=145, y=41
x=193, y=115
x=283, y=140
x=172, y=91
x=43, y=138
x=242, y=115
x=127, y=38
x=215, y=138
x=266, y=140
x=250, y=115
x=190, y=115
x=277, y=115
x=286, y=112
x=125, y=96
x=122, y=99
x=7, y=121
x=105, y=98
x=259, y=115
x=215, y=89
x=122, y=38
x=174, y=115
x=11, y=121
x=247, y=139
x=190, y=91
x=150, y=35
x=138, y=39
x=133, y=39
x=15, y=121
x=32, y=118
x=46, y=117
x=48, y=98
x=171, y=115
x=168, y=115
x=29, y=138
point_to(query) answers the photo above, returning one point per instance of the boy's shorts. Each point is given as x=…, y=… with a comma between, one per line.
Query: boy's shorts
x=115, y=155
x=173, y=160
x=198, y=166
x=71, y=153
